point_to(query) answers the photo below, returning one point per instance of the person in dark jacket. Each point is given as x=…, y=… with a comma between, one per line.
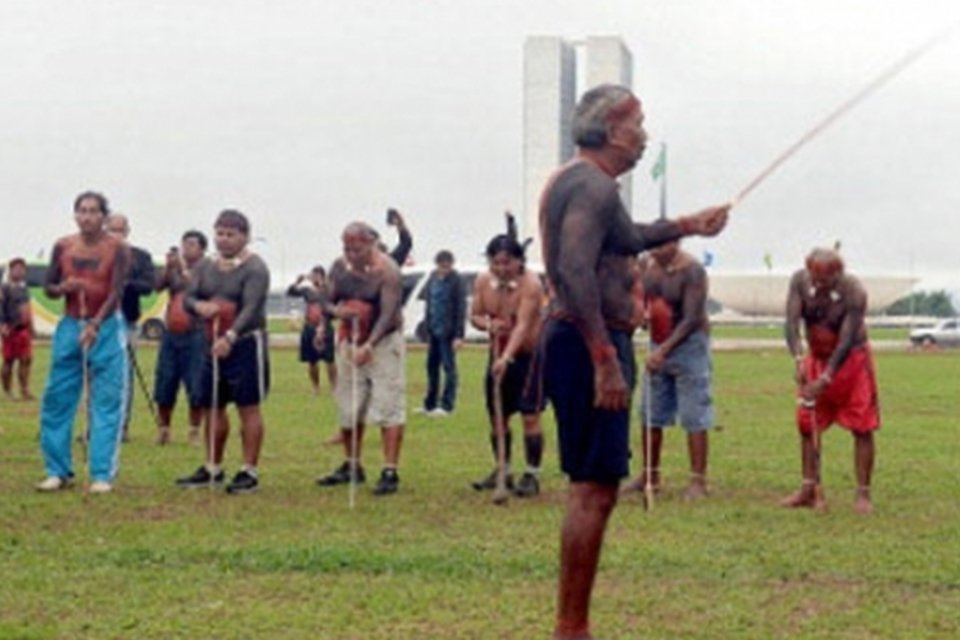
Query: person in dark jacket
x=401, y=252
x=141, y=281
x=445, y=319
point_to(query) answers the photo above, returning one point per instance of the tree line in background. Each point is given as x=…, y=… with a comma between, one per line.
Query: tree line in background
x=924, y=303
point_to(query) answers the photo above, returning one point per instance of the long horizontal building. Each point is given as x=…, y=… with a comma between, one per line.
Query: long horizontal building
x=765, y=294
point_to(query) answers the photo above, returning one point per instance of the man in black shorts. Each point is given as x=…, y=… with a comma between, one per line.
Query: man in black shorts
x=229, y=293
x=141, y=281
x=589, y=246
x=313, y=289
x=507, y=304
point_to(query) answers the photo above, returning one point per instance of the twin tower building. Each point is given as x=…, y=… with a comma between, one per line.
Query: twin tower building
x=556, y=72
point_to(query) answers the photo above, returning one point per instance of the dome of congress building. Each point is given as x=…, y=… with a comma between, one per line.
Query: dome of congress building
x=766, y=293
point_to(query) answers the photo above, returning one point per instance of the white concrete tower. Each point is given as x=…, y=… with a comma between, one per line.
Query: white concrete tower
x=550, y=91
x=549, y=95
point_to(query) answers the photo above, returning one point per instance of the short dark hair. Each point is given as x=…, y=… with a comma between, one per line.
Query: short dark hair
x=99, y=197
x=443, y=256
x=319, y=269
x=17, y=261
x=233, y=219
x=505, y=243
x=196, y=235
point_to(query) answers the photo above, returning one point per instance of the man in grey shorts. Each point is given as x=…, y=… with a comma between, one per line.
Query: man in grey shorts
x=365, y=295
x=678, y=364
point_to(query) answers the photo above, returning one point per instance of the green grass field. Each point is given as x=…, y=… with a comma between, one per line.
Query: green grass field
x=439, y=561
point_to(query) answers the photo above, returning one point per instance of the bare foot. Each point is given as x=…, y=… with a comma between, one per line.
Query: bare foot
x=696, y=490
x=808, y=496
x=639, y=485
x=26, y=396
x=163, y=436
x=862, y=504
x=334, y=440
x=194, y=436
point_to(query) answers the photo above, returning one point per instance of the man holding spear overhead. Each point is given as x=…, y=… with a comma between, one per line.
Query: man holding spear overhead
x=89, y=270
x=589, y=245
x=836, y=380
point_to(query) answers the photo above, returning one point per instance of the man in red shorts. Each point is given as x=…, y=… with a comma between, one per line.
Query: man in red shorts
x=836, y=381
x=16, y=327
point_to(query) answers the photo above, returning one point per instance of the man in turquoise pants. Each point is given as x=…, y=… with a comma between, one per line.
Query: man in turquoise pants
x=88, y=269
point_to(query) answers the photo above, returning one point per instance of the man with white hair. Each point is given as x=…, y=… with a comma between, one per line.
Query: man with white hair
x=365, y=295
x=589, y=244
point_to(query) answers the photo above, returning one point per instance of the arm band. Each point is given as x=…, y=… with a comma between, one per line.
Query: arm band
x=603, y=353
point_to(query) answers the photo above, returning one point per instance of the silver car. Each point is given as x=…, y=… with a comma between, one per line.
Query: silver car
x=945, y=333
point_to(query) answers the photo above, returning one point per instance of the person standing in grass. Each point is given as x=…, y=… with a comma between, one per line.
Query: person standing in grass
x=507, y=305
x=589, y=244
x=678, y=364
x=835, y=379
x=16, y=329
x=141, y=281
x=89, y=270
x=313, y=289
x=446, y=311
x=229, y=293
x=183, y=344
x=365, y=296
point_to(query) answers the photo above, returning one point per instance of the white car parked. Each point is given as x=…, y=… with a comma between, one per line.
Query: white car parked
x=945, y=333
x=415, y=298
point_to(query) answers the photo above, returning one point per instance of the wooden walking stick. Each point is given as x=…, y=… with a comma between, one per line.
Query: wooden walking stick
x=354, y=436
x=500, y=493
x=214, y=404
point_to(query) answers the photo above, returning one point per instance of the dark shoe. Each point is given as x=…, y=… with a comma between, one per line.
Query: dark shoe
x=528, y=486
x=341, y=476
x=490, y=482
x=243, y=482
x=201, y=478
x=389, y=482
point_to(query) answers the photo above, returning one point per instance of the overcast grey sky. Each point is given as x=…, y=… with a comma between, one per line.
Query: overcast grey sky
x=307, y=115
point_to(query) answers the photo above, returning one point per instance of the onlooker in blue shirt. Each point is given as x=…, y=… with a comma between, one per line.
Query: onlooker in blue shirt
x=445, y=319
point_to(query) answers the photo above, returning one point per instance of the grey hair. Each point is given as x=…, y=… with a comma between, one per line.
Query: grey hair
x=592, y=115
x=361, y=229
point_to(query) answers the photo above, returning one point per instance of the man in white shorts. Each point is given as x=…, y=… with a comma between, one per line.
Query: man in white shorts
x=365, y=295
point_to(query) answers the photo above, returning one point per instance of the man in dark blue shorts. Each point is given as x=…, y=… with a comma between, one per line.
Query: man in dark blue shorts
x=313, y=289
x=589, y=248
x=183, y=343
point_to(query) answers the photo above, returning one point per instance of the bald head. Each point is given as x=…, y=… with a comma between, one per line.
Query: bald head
x=118, y=224
x=360, y=231
x=825, y=267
